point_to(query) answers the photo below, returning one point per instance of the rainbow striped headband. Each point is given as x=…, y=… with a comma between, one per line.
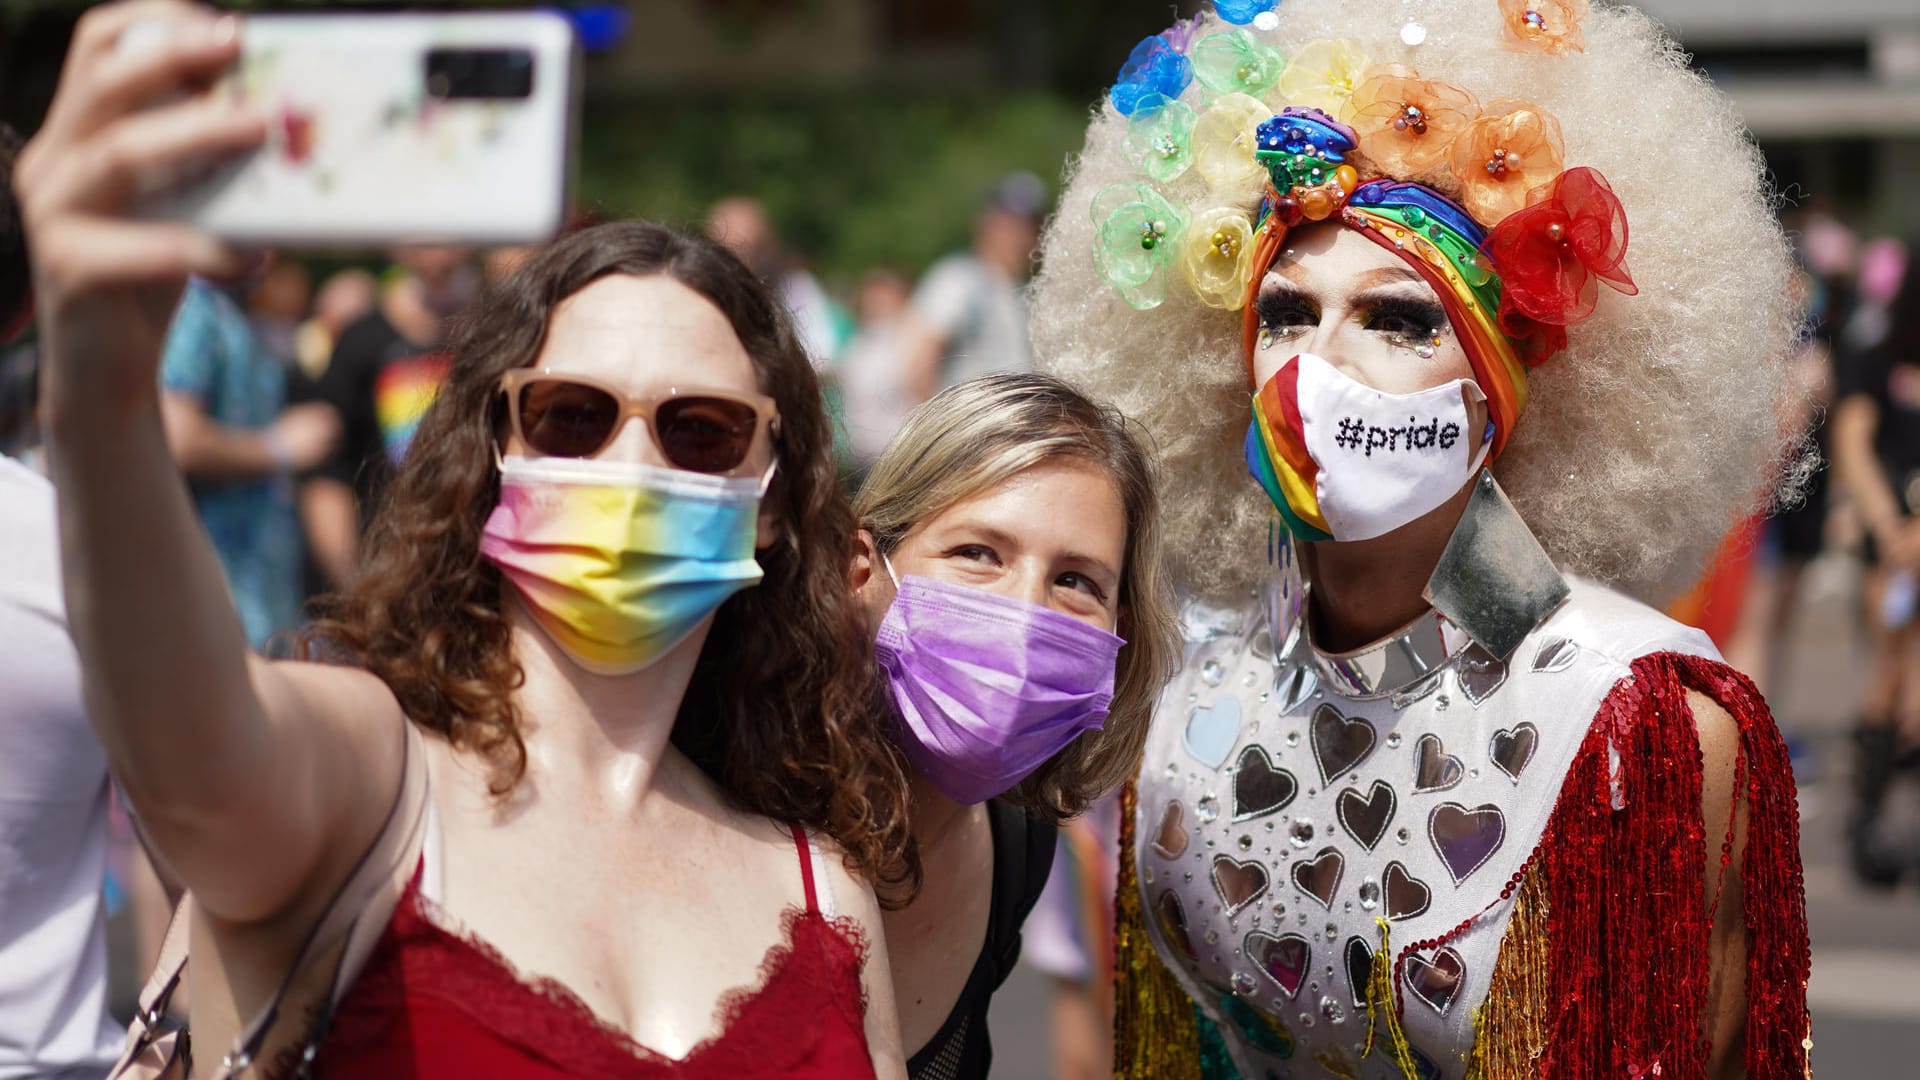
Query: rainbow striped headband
x=1304, y=152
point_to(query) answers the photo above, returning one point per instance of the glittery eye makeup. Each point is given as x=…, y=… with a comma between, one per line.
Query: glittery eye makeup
x=1407, y=322
x=1285, y=312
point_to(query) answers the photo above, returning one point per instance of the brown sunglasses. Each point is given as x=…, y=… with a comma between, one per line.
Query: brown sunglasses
x=705, y=431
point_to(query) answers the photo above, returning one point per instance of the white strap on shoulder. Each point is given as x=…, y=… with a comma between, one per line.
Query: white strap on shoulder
x=433, y=861
x=822, y=885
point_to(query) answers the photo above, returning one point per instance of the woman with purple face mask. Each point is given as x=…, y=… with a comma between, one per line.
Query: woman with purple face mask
x=1009, y=562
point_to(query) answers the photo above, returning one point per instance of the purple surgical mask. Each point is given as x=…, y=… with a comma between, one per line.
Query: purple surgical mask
x=988, y=687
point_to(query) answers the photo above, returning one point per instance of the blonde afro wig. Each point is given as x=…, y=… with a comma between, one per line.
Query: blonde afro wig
x=1642, y=443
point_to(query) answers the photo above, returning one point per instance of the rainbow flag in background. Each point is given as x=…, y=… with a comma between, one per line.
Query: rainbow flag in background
x=401, y=395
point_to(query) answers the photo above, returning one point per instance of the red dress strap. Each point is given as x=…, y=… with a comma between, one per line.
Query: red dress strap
x=806, y=866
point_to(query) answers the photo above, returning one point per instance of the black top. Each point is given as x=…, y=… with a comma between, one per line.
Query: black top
x=1893, y=383
x=378, y=380
x=1022, y=857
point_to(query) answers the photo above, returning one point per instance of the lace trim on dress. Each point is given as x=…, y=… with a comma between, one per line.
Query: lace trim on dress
x=761, y=1027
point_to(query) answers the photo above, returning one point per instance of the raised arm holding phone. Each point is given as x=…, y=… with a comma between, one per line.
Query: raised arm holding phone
x=599, y=701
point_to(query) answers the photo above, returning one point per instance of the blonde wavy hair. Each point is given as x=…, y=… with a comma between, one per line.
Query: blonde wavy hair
x=976, y=435
x=1661, y=424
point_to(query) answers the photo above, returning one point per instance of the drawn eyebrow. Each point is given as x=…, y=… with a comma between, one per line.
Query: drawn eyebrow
x=1379, y=275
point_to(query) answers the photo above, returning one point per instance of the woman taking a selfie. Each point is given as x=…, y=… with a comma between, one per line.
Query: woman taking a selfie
x=1009, y=562
x=595, y=756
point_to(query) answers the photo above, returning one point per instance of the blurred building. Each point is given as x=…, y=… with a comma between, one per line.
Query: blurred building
x=1831, y=89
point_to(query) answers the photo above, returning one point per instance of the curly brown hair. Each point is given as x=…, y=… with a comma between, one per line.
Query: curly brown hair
x=783, y=712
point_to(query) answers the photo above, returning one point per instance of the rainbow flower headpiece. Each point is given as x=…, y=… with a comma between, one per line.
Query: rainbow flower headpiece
x=1516, y=258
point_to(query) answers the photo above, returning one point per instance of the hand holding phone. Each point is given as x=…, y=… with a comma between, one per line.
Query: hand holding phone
x=385, y=129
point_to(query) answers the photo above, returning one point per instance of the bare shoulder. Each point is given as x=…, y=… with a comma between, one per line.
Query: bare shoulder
x=349, y=691
x=1719, y=736
x=1723, y=812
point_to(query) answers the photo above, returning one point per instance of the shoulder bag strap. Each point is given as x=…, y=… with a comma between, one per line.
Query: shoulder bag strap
x=359, y=911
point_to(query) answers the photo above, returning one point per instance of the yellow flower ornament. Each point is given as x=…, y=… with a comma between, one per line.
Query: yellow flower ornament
x=1323, y=75
x=1215, y=254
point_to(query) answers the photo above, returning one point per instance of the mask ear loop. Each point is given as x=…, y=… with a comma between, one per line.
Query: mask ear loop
x=1486, y=436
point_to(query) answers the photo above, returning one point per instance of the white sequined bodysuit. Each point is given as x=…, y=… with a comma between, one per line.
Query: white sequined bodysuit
x=1289, y=802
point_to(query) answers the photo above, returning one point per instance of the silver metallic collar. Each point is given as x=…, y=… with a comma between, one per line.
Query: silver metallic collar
x=1492, y=586
x=1398, y=662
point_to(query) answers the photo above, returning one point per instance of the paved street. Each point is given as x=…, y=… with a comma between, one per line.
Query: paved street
x=1866, y=946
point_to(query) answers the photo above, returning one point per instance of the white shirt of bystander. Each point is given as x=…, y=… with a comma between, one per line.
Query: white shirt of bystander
x=53, y=813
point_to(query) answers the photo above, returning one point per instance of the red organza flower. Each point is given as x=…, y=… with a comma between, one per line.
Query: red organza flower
x=1553, y=255
x=1406, y=124
x=1548, y=26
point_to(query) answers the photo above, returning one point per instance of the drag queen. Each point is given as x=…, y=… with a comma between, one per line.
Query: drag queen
x=1436, y=794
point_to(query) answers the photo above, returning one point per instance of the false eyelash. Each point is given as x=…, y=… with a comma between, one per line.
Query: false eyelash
x=1274, y=304
x=1428, y=319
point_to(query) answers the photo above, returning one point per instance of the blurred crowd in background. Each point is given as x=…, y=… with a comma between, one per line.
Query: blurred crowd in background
x=291, y=395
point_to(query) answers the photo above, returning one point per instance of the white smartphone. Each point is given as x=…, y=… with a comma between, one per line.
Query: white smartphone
x=390, y=129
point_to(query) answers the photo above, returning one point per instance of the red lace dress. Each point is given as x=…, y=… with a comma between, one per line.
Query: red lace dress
x=435, y=1003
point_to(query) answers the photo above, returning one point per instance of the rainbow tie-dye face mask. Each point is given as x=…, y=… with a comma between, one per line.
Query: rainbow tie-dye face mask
x=619, y=561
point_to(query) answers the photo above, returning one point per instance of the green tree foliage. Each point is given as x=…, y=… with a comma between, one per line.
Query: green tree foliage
x=854, y=180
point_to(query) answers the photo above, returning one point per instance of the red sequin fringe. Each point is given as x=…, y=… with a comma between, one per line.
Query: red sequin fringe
x=1625, y=859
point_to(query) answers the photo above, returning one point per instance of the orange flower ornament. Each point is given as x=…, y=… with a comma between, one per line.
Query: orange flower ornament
x=1406, y=123
x=1503, y=156
x=1548, y=26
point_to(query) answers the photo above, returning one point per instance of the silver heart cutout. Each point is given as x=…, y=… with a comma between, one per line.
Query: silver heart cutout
x=1438, y=981
x=1512, y=749
x=1173, y=922
x=1479, y=673
x=1283, y=959
x=1556, y=654
x=1465, y=839
x=1366, y=817
x=1359, y=959
x=1238, y=883
x=1171, y=840
x=1405, y=896
x=1259, y=788
x=1433, y=768
x=1212, y=730
x=1294, y=684
x=1339, y=742
x=1319, y=877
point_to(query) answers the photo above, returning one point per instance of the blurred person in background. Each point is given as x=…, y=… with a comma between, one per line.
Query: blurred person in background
x=240, y=446
x=53, y=775
x=1069, y=938
x=276, y=305
x=19, y=381
x=1876, y=455
x=873, y=370
x=970, y=317
x=1794, y=532
x=1009, y=561
x=385, y=371
x=1883, y=266
x=342, y=300
x=741, y=225
x=498, y=264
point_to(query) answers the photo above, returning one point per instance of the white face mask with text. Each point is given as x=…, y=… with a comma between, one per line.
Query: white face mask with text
x=1385, y=460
